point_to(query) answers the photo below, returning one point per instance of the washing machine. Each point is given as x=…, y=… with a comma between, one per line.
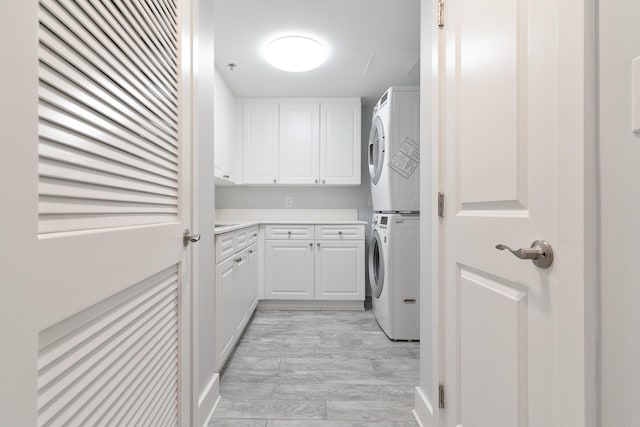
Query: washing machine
x=395, y=119
x=394, y=274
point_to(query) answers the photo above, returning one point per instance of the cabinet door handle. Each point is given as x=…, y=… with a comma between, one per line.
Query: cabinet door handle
x=316, y=181
x=310, y=245
x=324, y=181
x=275, y=180
x=250, y=251
x=237, y=260
x=255, y=234
x=318, y=244
x=340, y=233
x=225, y=176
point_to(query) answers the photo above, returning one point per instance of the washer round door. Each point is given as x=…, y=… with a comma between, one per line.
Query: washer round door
x=376, y=264
x=376, y=150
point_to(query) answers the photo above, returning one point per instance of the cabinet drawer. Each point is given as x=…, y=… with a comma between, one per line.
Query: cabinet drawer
x=340, y=232
x=289, y=232
x=252, y=234
x=225, y=246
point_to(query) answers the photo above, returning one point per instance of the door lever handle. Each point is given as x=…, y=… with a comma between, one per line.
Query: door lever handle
x=540, y=253
x=187, y=237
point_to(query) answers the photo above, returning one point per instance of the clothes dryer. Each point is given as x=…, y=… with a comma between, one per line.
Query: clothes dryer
x=394, y=274
x=395, y=118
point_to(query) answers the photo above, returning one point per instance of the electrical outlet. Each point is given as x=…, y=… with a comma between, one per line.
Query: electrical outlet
x=288, y=202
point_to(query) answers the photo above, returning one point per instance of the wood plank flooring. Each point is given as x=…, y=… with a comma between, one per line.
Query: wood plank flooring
x=318, y=369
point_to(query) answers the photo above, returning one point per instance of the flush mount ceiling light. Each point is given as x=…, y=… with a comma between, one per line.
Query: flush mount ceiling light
x=295, y=53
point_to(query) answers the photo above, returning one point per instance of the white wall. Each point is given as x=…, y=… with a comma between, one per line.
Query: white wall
x=619, y=175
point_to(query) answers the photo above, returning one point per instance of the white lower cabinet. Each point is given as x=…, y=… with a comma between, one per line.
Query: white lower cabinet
x=289, y=269
x=339, y=270
x=328, y=267
x=236, y=296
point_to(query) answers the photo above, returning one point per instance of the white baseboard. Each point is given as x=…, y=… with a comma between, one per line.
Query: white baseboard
x=271, y=305
x=208, y=400
x=423, y=411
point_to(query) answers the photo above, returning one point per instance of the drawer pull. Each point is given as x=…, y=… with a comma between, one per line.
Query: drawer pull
x=340, y=233
x=255, y=234
x=250, y=251
x=409, y=301
x=237, y=259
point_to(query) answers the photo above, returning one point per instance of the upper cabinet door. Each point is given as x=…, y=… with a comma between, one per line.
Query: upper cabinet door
x=299, y=143
x=340, y=142
x=260, y=143
x=224, y=110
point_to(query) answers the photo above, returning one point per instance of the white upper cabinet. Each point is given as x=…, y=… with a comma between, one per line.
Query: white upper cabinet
x=299, y=143
x=340, y=142
x=224, y=114
x=260, y=142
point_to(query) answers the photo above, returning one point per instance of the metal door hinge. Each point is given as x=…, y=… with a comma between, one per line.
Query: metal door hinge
x=441, y=13
x=441, y=396
x=441, y=205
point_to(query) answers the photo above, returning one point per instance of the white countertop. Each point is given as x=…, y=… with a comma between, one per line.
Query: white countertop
x=240, y=225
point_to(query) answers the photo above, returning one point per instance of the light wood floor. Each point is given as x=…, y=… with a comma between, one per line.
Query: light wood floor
x=318, y=369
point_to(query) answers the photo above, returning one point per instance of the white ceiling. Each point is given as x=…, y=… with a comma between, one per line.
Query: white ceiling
x=373, y=44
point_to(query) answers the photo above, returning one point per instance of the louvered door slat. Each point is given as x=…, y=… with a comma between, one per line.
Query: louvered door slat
x=64, y=78
x=134, y=45
x=56, y=359
x=76, y=142
x=95, y=60
x=60, y=153
x=108, y=108
x=81, y=32
x=77, y=389
x=57, y=188
x=59, y=58
x=118, y=359
x=154, y=46
x=155, y=416
x=160, y=373
x=125, y=392
x=115, y=27
x=158, y=24
x=70, y=106
x=75, y=173
x=73, y=131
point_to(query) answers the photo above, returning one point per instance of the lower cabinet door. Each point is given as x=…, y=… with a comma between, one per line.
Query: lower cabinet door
x=252, y=279
x=240, y=294
x=289, y=269
x=339, y=270
x=224, y=313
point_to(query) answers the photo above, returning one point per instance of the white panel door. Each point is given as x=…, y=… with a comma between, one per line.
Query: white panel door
x=501, y=175
x=339, y=270
x=340, y=142
x=225, y=312
x=288, y=269
x=260, y=142
x=96, y=194
x=299, y=143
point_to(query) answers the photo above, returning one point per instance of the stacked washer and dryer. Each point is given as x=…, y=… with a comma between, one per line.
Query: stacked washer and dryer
x=394, y=261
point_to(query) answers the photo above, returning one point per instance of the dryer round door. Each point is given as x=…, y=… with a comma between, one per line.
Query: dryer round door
x=376, y=150
x=376, y=264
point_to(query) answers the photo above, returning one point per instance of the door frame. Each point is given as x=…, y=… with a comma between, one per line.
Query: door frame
x=577, y=216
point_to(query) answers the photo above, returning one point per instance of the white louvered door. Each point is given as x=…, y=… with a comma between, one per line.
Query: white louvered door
x=96, y=113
